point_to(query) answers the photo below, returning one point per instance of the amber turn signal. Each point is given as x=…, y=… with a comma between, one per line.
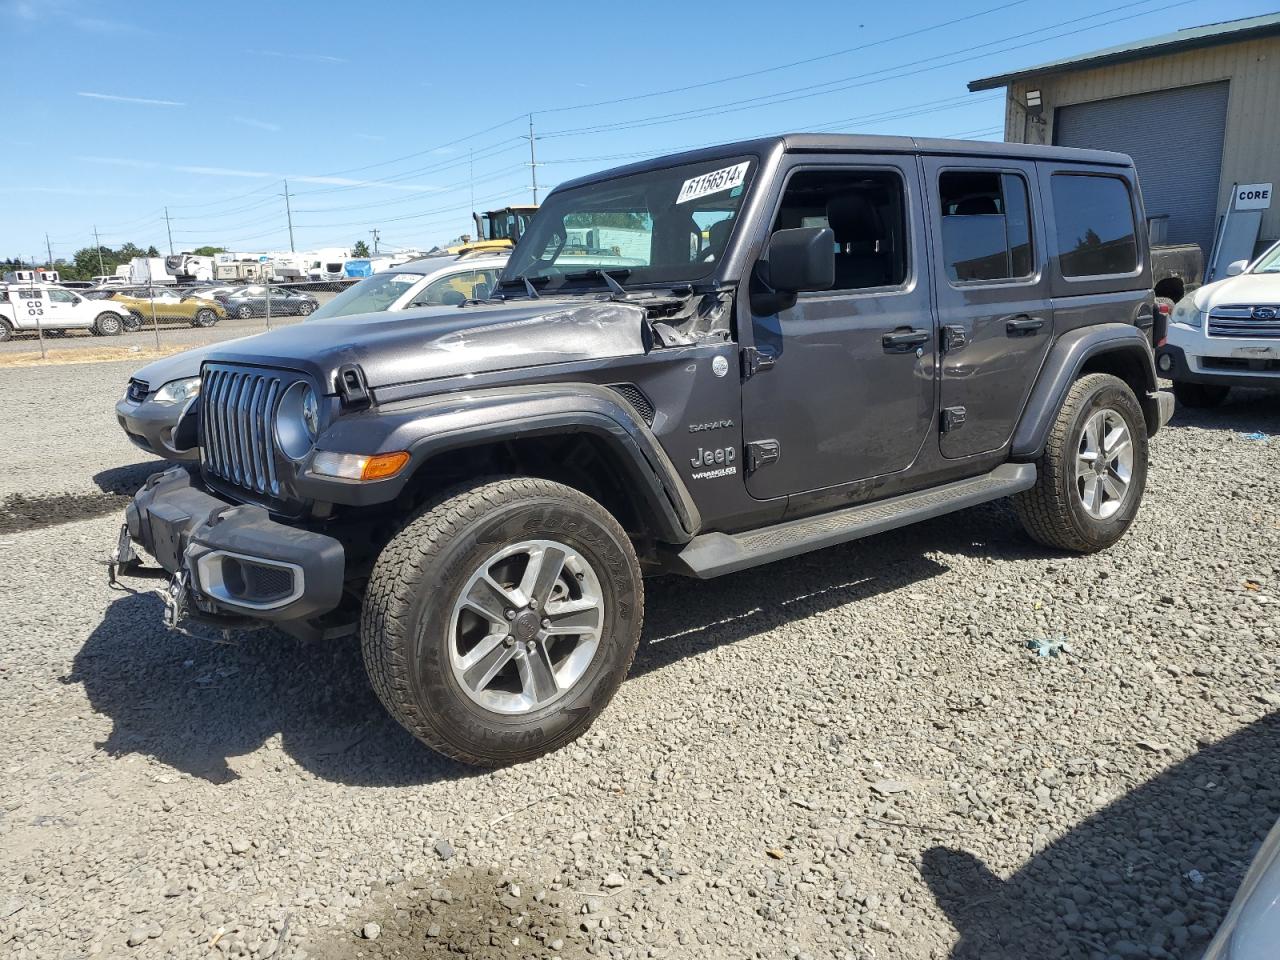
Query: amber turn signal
x=384, y=465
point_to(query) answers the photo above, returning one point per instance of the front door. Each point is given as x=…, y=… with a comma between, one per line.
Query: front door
x=850, y=391
x=992, y=295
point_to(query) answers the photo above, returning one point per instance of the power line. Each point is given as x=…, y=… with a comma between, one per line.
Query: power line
x=785, y=66
x=808, y=91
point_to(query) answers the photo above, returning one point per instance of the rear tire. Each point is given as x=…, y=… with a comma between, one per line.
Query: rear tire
x=1199, y=396
x=1091, y=476
x=506, y=677
x=6, y=331
x=133, y=323
x=245, y=312
x=305, y=308
x=108, y=325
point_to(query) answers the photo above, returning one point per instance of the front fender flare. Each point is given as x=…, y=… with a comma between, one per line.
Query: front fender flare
x=432, y=426
x=1062, y=367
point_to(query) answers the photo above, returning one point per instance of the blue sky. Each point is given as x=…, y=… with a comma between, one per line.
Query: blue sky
x=392, y=120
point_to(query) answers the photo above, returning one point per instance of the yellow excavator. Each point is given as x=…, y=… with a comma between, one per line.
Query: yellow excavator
x=496, y=230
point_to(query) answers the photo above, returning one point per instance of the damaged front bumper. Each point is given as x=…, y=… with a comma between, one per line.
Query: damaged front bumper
x=229, y=565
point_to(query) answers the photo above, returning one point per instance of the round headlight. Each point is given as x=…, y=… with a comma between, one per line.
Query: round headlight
x=298, y=420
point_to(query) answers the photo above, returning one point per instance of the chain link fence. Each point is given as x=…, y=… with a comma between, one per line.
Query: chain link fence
x=172, y=316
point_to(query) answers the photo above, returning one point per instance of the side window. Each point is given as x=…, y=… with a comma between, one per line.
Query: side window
x=62, y=296
x=447, y=290
x=1096, y=233
x=485, y=282
x=986, y=225
x=865, y=209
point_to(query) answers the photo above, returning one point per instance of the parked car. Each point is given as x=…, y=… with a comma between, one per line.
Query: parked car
x=429, y=282
x=29, y=309
x=1251, y=930
x=209, y=293
x=831, y=337
x=169, y=305
x=1226, y=334
x=251, y=301
x=156, y=394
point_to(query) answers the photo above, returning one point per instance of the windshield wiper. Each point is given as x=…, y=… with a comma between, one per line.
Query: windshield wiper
x=529, y=288
x=602, y=274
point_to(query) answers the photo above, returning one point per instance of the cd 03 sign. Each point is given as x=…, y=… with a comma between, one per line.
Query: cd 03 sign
x=1253, y=196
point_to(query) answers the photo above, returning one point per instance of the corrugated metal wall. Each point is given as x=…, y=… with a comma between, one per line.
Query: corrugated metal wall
x=1251, y=147
x=1181, y=184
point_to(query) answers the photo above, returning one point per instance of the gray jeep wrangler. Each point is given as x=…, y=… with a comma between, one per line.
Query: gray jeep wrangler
x=691, y=365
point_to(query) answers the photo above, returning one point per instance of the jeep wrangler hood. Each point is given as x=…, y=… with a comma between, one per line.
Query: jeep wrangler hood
x=405, y=346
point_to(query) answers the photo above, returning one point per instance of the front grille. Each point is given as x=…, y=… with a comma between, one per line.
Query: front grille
x=138, y=390
x=237, y=410
x=1260, y=321
x=1237, y=363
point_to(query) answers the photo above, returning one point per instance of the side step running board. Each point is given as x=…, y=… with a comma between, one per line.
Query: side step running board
x=713, y=554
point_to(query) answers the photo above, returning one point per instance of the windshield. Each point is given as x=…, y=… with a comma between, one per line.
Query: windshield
x=1269, y=262
x=661, y=226
x=370, y=295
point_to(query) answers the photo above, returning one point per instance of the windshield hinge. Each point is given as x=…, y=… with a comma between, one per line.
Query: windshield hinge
x=754, y=360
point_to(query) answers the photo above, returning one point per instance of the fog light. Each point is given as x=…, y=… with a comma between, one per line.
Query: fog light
x=1165, y=363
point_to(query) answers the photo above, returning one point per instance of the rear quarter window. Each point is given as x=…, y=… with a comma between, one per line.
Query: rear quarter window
x=1095, y=226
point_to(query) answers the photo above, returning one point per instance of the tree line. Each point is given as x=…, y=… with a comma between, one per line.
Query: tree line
x=89, y=262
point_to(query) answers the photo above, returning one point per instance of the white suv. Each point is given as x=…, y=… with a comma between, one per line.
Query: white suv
x=29, y=308
x=1226, y=334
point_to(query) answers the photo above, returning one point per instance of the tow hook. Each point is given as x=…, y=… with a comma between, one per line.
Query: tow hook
x=175, y=600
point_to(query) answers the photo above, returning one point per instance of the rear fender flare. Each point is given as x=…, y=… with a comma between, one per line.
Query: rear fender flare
x=1069, y=356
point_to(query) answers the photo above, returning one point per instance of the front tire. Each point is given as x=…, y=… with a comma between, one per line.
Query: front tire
x=502, y=619
x=6, y=331
x=1199, y=396
x=204, y=318
x=245, y=312
x=1091, y=476
x=305, y=308
x=108, y=325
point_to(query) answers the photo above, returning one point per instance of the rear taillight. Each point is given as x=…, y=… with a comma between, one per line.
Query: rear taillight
x=1162, y=322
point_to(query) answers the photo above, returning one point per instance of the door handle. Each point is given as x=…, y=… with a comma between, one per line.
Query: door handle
x=904, y=341
x=1022, y=326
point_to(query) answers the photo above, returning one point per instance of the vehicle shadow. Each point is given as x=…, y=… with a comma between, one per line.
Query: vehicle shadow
x=1245, y=411
x=195, y=705
x=128, y=480
x=1150, y=875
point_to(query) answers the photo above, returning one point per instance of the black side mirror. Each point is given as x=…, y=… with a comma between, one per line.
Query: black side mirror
x=795, y=261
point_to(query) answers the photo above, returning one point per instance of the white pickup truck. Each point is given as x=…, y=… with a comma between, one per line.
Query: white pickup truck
x=29, y=308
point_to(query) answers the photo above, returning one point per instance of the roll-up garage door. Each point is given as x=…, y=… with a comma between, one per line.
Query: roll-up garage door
x=1175, y=139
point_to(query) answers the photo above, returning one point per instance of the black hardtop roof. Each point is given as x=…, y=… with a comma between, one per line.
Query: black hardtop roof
x=862, y=143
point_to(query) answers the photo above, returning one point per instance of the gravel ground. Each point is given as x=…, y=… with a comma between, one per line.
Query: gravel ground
x=852, y=754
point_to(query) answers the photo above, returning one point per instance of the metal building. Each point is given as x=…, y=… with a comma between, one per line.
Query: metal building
x=1199, y=112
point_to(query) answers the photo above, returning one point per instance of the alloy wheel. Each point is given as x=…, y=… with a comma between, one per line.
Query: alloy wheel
x=1104, y=464
x=526, y=626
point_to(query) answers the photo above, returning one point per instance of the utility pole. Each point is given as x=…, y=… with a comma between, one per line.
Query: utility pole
x=374, y=234
x=169, y=230
x=97, y=245
x=533, y=162
x=48, y=250
x=288, y=212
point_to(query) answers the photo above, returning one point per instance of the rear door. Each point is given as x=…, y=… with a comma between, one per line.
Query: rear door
x=850, y=392
x=992, y=290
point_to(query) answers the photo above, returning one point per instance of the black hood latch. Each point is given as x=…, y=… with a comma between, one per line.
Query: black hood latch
x=353, y=387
